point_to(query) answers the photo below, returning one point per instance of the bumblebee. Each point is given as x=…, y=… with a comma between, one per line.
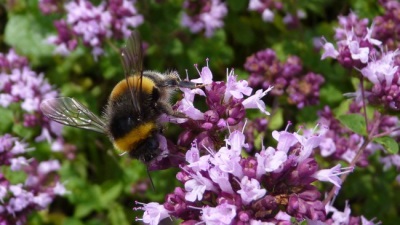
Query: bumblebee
x=134, y=106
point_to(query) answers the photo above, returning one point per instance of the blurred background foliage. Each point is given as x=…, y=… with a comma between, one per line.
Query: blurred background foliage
x=104, y=186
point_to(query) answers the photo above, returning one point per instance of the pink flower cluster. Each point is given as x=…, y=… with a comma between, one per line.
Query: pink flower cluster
x=19, y=84
x=268, y=9
x=204, y=15
x=221, y=185
x=265, y=70
x=36, y=192
x=94, y=24
x=357, y=48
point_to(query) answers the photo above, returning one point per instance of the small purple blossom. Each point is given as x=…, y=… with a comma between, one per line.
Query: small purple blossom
x=18, y=200
x=254, y=101
x=204, y=15
x=304, y=91
x=226, y=107
x=266, y=71
x=222, y=214
x=329, y=51
x=250, y=190
x=21, y=85
x=94, y=24
x=49, y=6
x=65, y=41
x=153, y=213
x=265, y=8
x=223, y=186
x=384, y=74
x=339, y=143
x=354, y=42
x=124, y=16
x=332, y=175
x=386, y=26
x=339, y=217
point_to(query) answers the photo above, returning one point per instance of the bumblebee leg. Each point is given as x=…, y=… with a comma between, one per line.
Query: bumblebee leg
x=166, y=108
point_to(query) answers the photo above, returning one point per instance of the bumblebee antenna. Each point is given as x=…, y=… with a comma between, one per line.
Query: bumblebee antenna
x=151, y=180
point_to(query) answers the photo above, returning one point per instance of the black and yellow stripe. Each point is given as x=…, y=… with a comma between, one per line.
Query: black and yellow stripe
x=133, y=138
x=119, y=89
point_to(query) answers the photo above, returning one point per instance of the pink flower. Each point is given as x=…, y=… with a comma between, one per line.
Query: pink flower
x=250, y=190
x=254, y=101
x=222, y=214
x=236, y=88
x=269, y=160
x=153, y=213
x=332, y=175
x=197, y=186
x=329, y=51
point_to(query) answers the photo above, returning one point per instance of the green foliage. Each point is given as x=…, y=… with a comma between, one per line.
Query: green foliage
x=27, y=34
x=389, y=144
x=354, y=122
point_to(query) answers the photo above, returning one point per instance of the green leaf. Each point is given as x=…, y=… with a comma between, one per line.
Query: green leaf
x=88, y=200
x=354, y=122
x=276, y=121
x=26, y=34
x=111, y=193
x=15, y=177
x=117, y=215
x=72, y=221
x=22, y=131
x=6, y=120
x=331, y=94
x=388, y=143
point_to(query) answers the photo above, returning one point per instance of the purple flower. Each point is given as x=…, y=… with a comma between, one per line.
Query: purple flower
x=124, y=16
x=236, y=88
x=48, y=166
x=204, y=15
x=20, y=84
x=382, y=70
x=49, y=6
x=36, y=193
x=329, y=51
x=266, y=8
x=386, y=26
x=352, y=23
x=304, y=91
x=254, y=101
x=94, y=24
x=216, y=183
x=307, y=145
x=89, y=22
x=339, y=217
x=65, y=41
x=354, y=41
x=266, y=71
x=250, y=190
x=332, y=175
x=196, y=187
x=269, y=160
x=226, y=107
x=153, y=213
x=222, y=214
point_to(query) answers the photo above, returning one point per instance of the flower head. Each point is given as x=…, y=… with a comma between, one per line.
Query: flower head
x=204, y=15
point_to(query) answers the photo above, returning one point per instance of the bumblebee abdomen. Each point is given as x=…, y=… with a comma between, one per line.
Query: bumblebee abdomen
x=129, y=141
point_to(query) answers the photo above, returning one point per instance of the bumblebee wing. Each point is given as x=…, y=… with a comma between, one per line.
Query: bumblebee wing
x=70, y=112
x=132, y=61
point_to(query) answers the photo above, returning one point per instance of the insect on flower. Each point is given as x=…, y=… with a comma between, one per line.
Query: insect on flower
x=134, y=106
